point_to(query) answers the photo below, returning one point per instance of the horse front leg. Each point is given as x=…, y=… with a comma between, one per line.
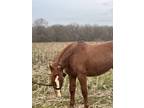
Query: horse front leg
x=83, y=82
x=72, y=87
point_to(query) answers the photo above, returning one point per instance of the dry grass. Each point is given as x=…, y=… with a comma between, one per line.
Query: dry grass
x=99, y=88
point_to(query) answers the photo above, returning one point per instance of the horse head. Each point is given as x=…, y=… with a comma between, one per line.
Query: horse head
x=57, y=77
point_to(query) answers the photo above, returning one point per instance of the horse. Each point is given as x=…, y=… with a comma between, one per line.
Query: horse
x=79, y=60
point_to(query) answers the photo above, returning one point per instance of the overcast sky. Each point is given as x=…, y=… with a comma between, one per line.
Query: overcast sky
x=73, y=11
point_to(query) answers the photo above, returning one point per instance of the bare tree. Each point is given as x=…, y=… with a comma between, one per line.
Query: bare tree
x=41, y=32
x=40, y=22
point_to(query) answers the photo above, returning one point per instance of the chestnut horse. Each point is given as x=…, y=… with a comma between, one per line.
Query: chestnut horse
x=79, y=61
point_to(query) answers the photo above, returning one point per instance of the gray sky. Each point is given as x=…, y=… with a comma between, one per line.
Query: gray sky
x=73, y=11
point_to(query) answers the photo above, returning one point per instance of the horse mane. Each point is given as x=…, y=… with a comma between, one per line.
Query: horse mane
x=66, y=52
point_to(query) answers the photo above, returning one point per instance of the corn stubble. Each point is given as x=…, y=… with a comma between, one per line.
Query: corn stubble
x=99, y=88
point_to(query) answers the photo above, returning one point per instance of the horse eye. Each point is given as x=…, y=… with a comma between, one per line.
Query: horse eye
x=55, y=75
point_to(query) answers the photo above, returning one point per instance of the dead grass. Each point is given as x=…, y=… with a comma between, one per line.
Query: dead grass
x=99, y=88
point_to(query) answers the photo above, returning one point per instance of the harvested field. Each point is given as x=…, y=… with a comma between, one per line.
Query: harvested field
x=100, y=89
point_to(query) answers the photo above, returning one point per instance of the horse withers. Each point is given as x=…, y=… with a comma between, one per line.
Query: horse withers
x=79, y=61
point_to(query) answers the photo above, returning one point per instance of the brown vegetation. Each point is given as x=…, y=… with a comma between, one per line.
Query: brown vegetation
x=99, y=88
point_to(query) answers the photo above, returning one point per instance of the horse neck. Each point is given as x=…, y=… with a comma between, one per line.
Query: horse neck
x=65, y=54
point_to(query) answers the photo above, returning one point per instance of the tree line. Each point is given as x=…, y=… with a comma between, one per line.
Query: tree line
x=41, y=32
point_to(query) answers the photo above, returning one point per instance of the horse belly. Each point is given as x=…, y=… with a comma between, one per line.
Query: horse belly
x=96, y=69
x=97, y=72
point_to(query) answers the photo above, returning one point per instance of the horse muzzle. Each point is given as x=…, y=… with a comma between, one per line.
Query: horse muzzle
x=58, y=92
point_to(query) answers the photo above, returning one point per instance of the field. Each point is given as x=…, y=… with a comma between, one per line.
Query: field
x=100, y=89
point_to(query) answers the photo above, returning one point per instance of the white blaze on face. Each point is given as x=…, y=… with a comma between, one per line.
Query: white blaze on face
x=57, y=86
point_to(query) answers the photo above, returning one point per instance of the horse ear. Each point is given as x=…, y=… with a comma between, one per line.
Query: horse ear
x=51, y=67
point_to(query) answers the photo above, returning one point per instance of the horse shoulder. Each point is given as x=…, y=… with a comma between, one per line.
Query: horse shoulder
x=78, y=59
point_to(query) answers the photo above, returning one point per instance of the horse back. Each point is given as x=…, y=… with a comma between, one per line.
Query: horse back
x=92, y=59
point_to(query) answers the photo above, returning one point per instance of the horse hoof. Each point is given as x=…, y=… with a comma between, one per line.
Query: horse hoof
x=71, y=106
x=86, y=106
